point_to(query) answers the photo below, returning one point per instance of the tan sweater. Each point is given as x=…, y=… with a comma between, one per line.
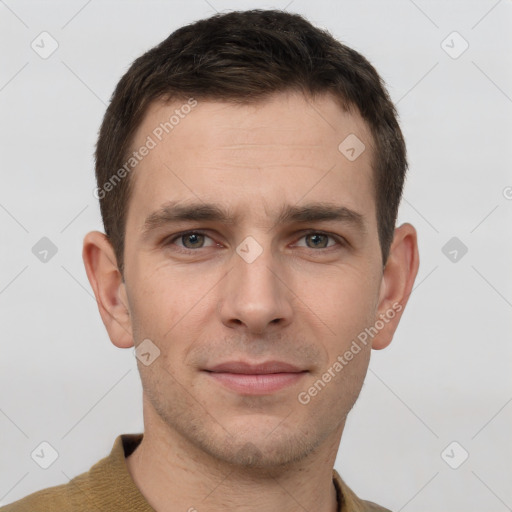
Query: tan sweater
x=108, y=487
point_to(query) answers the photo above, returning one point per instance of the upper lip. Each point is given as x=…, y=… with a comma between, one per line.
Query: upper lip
x=254, y=369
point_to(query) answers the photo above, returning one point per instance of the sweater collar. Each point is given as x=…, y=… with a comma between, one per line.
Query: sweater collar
x=112, y=472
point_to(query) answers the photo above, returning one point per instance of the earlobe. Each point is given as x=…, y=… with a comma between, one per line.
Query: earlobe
x=397, y=282
x=109, y=289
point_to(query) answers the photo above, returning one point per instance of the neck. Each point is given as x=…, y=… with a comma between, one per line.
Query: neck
x=175, y=476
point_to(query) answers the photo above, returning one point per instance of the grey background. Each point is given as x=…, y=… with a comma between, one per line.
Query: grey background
x=446, y=377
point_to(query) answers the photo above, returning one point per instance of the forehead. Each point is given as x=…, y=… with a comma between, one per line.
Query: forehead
x=253, y=158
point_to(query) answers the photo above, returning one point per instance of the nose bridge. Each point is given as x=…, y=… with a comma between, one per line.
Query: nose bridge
x=253, y=263
x=255, y=295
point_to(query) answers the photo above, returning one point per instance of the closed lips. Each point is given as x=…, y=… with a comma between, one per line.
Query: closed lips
x=240, y=367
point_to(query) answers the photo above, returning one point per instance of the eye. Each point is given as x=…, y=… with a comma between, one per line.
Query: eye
x=190, y=239
x=319, y=240
x=193, y=240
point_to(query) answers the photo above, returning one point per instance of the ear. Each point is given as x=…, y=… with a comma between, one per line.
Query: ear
x=396, y=285
x=109, y=288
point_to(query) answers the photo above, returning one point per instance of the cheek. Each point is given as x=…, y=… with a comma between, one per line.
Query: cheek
x=170, y=309
x=345, y=302
x=155, y=303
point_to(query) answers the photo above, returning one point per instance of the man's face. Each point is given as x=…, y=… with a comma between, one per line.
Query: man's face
x=259, y=289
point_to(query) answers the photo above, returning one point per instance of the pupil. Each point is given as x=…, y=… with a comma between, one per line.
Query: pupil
x=193, y=238
x=316, y=237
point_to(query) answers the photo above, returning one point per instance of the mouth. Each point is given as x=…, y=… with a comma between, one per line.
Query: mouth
x=255, y=379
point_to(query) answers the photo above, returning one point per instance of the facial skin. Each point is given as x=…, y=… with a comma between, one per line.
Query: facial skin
x=302, y=301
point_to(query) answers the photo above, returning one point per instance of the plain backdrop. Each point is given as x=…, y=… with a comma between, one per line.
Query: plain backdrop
x=440, y=392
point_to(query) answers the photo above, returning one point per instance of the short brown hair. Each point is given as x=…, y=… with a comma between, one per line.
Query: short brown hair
x=242, y=57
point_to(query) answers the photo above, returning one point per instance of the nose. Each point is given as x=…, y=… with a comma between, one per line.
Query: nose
x=255, y=295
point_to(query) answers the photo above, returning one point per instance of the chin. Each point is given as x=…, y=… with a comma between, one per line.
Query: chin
x=259, y=448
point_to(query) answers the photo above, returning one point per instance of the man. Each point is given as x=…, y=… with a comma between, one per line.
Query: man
x=249, y=170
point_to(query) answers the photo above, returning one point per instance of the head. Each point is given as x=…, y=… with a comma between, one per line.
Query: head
x=249, y=171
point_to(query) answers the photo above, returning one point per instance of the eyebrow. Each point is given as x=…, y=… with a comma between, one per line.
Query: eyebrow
x=174, y=211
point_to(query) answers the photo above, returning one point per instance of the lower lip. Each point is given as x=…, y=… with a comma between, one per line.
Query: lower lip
x=252, y=384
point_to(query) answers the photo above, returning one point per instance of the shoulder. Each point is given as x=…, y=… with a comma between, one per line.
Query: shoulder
x=59, y=498
x=106, y=486
x=370, y=506
x=350, y=501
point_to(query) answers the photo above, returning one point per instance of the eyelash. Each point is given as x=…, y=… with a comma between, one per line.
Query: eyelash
x=170, y=241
